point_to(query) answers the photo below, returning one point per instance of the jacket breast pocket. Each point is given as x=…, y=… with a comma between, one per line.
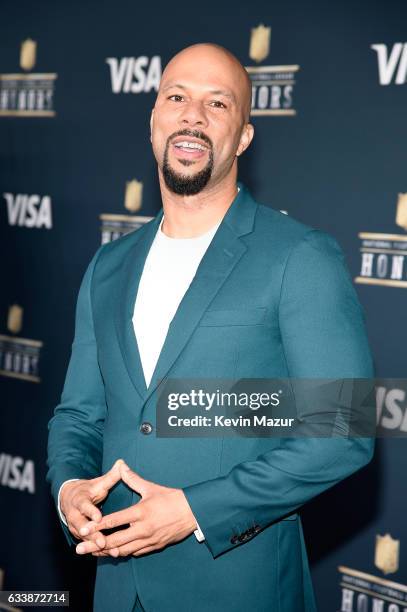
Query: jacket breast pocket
x=246, y=316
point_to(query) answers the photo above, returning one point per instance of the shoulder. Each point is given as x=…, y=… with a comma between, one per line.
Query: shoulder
x=282, y=232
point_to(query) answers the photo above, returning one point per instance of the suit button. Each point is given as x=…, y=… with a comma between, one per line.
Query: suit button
x=234, y=539
x=257, y=528
x=146, y=428
x=242, y=537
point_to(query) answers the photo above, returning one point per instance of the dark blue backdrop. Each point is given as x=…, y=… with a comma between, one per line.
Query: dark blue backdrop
x=72, y=138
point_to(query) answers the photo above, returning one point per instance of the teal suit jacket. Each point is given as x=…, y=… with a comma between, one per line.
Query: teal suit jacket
x=272, y=297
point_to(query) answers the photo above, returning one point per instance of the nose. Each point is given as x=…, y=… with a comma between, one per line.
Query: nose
x=193, y=114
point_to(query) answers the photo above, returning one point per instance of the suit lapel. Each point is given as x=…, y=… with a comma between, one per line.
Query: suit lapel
x=130, y=279
x=222, y=255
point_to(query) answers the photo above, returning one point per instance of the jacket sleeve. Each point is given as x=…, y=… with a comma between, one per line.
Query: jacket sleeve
x=323, y=333
x=75, y=430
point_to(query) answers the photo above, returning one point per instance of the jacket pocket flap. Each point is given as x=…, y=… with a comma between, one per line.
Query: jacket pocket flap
x=247, y=316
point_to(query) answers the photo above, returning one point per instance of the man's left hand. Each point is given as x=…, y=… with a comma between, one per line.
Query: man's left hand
x=163, y=516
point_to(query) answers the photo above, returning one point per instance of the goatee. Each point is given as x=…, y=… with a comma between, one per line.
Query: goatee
x=183, y=184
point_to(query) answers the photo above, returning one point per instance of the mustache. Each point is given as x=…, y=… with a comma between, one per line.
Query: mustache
x=192, y=134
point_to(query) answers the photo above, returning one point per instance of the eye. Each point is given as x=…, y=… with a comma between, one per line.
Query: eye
x=175, y=96
x=219, y=104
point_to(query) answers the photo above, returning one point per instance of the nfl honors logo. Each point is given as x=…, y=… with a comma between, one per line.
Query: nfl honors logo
x=114, y=226
x=260, y=43
x=27, y=95
x=133, y=196
x=383, y=256
x=368, y=593
x=19, y=357
x=28, y=54
x=272, y=86
x=387, y=554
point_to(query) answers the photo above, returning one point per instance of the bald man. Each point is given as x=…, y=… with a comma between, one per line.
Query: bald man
x=215, y=286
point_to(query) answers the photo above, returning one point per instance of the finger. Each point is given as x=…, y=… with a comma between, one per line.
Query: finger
x=75, y=520
x=96, y=551
x=116, y=519
x=78, y=522
x=105, y=553
x=82, y=497
x=115, y=542
x=114, y=474
x=138, y=553
x=135, y=546
x=133, y=480
x=145, y=550
x=87, y=509
x=98, y=539
x=88, y=546
x=84, y=510
x=126, y=536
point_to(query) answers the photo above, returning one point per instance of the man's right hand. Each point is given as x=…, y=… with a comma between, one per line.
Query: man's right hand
x=79, y=501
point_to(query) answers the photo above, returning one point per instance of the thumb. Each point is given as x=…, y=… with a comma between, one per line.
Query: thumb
x=133, y=480
x=110, y=478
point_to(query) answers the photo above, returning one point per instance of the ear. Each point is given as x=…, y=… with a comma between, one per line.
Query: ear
x=151, y=125
x=245, y=138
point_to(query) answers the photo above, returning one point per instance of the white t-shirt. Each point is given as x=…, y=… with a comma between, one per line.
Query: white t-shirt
x=169, y=268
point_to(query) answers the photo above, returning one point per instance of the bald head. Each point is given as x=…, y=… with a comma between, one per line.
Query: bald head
x=206, y=59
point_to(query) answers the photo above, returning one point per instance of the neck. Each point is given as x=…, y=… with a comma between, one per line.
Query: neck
x=191, y=216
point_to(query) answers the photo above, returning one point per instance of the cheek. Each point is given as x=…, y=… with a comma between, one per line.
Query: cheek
x=159, y=135
x=158, y=146
x=165, y=120
x=225, y=148
x=163, y=127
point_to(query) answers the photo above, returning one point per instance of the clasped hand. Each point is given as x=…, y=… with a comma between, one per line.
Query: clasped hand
x=162, y=516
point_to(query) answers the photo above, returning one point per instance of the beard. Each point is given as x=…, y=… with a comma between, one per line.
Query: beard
x=184, y=184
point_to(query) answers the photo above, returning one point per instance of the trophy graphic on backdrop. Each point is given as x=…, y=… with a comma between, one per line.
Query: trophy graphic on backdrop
x=117, y=225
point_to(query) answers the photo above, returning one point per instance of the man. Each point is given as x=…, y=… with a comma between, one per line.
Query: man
x=215, y=286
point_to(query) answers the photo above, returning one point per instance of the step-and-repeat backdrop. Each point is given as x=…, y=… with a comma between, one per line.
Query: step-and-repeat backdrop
x=77, y=84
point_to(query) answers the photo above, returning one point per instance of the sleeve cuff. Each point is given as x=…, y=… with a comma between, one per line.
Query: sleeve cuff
x=198, y=534
x=61, y=514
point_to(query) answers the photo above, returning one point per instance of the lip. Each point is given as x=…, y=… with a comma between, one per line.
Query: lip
x=192, y=153
x=189, y=139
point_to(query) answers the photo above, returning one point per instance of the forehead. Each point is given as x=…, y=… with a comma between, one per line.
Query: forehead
x=211, y=73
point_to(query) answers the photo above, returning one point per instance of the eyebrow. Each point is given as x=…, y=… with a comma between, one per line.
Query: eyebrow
x=216, y=92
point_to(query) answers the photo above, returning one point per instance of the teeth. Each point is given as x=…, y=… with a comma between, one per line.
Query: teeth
x=190, y=145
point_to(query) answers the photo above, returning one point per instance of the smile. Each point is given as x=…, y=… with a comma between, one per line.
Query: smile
x=189, y=150
x=189, y=145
